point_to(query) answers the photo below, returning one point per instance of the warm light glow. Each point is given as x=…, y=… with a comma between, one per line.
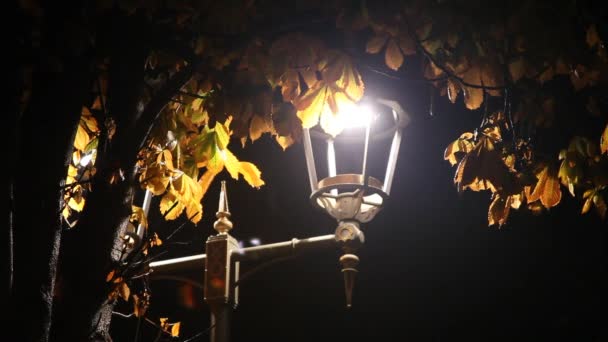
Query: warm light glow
x=354, y=116
x=88, y=158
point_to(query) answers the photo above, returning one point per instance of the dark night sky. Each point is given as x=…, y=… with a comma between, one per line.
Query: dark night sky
x=431, y=269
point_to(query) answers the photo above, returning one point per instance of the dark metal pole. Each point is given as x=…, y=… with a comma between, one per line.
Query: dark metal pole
x=220, y=322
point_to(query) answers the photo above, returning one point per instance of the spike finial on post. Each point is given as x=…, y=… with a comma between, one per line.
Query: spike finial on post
x=223, y=224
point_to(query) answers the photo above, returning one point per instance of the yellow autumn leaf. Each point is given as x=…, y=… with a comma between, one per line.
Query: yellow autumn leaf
x=482, y=168
x=231, y=163
x=453, y=90
x=604, y=141
x=330, y=122
x=587, y=205
x=72, y=173
x=196, y=104
x=393, y=56
x=189, y=194
x=155, y=240
x=175, y=329
x=432, y=71
x=194, y=211
x=89, y=121
x=536, y=208
x=290, y=85
x=110, y=276
x=191, y=188
x=97, y=103
x=170, y=328
x=473, y=97
x=310, y=105
x=251, y=174
x=170, y=206
x=340, y=85
x=516, y=200
x=492, y=76
x=66, y=212
x=138, y=215
x=82, y=138
x=76, y=202
x=167, y=159
x=76, y=156
x=376, y=43
x=206, y=179
x=284, y=141
x=493, y=132
x=600, y=205
x=350, y=82
x=547, y=189
x=140, y=305
x=124, y=291
x=463, y=144
x=517, y=69
x=499, y=209
x=407, y=45
x=257, y=127
x=155, y=179
x=592, y=36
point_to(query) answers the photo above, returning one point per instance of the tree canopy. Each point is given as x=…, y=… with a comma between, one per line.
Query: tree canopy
x=150, y=95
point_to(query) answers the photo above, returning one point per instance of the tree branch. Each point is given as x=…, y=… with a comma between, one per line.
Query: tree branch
x=443, y=68
x=204, y=97
x=148, y=117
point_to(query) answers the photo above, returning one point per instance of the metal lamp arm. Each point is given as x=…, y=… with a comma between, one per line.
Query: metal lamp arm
x=255, y=253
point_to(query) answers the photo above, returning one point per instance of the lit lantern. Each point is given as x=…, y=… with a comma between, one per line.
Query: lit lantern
x=368, y=144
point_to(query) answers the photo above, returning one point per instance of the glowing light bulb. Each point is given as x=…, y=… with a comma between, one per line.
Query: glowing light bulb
x=354, y=116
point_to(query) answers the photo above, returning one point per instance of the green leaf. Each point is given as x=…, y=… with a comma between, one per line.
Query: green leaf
x=222, y=136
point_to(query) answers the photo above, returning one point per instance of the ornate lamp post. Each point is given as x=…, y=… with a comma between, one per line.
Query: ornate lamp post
x=355, y=197
x=352, y=197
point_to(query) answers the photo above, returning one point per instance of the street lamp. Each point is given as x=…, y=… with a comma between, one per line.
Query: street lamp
x=352, y=194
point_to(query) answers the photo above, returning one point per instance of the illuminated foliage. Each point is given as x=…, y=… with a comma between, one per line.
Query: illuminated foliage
x=204, y=74
x=279, y=83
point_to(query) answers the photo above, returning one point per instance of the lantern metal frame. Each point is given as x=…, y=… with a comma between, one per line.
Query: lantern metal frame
x=355, y=196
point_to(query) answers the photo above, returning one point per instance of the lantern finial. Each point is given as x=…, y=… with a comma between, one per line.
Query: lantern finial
x=223, y=224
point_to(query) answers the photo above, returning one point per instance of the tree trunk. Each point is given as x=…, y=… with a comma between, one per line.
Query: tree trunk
x=44, y=143
x=77, y=308
x=93, y=248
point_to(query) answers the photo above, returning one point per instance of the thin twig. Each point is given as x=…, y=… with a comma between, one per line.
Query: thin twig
x=177, y=101
x=443, y=68
x=73, y=184
x=382, y=73
x=137, y=329
x=101, y=101
x=181, y=226
x=141, y=275
x=171, y=208
x=189, y=281
x=261, y=267
x=200, y=333
x=158, y=326
x=485, y=108
x=204, y=97
x=120, y=314
x=11, y=227
x=180, y=243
